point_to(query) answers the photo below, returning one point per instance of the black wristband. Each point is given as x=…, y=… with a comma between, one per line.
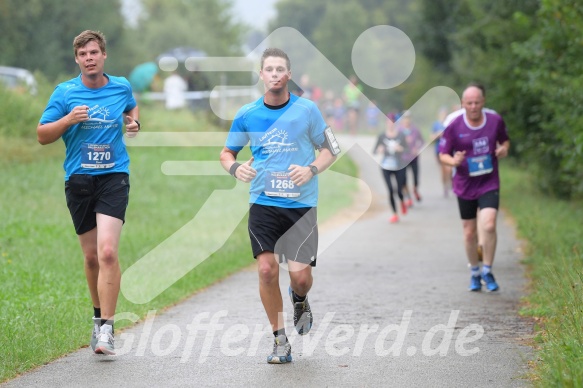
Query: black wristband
x=139, y=125
x=234, y=168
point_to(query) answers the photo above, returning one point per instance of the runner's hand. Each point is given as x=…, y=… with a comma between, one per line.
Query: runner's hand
x=501, y=152
x=245, y=172
x=78, y=114
x=458, y=158
x=132, y=127
x=300, y=174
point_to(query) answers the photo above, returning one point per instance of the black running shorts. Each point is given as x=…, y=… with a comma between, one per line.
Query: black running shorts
x=90, y=194
x=290, y=233
x=469, y=208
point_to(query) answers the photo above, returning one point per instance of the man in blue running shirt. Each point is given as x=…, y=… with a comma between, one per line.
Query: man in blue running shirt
x=88, y=112
x=283, y=132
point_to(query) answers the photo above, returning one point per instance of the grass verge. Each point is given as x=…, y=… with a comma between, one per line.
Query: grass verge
x=553, y=231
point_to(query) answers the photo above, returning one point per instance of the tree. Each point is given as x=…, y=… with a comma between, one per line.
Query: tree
x=435, y=31
x=303, y=15
x=39, y=36
x=206, y=25
x=552, y=64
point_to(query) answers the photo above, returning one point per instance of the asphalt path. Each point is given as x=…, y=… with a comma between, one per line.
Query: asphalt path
x=390, y=304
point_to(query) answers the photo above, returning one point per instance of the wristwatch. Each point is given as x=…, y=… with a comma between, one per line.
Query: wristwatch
x=313, y=169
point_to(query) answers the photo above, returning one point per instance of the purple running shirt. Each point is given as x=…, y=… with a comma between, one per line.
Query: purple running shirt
x=478, y=173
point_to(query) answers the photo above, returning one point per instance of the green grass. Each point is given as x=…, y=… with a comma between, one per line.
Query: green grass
x=45, y=308
x=553, y=231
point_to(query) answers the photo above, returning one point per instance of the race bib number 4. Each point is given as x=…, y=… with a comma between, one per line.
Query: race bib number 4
x=279, y=184
x=97, y=156
x=480, y=165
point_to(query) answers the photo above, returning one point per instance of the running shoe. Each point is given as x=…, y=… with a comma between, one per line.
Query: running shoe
x=491, y=284
x=394, y=219
x=480, y=253
x=417, y=195
x=281, y=351
x=95, y=332
x=476, y=283
x=403, y=208
x=302, y=315
x=105, y=341
x=409, y=202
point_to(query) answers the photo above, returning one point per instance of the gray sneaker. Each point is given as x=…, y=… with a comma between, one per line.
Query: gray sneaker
x=281, y=351
x=105, y=341
x=303, y=319
x=95, y=332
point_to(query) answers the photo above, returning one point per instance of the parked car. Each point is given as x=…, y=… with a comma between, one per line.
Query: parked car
x=18, y=79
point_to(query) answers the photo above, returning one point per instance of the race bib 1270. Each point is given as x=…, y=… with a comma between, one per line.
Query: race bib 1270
x=97, y=156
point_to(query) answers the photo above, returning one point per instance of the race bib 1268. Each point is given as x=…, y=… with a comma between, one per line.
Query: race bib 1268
x=279, y=184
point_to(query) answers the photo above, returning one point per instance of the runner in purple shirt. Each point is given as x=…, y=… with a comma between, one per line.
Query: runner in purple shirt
x=472, y=142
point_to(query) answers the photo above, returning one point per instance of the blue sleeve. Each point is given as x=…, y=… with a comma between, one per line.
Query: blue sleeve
x=56, y=108
x=237, y=137
x=131, y=104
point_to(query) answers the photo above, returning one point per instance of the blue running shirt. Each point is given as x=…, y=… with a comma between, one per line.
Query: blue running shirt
x=279, y=138
x=95, y=146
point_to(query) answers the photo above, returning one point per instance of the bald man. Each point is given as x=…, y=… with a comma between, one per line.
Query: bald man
x=473, y=140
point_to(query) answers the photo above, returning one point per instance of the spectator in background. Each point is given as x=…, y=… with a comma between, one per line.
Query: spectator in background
x=352, y=93
x=339, y=113
x=327, y=108
x=437, y=131
x=373, y=114
x=415, y=144
x=175, y=88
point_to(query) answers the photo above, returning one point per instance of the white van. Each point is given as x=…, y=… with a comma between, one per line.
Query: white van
x=17, y=78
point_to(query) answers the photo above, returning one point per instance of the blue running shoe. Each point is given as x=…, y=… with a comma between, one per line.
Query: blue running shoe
x=491, y=284
x=302, y=315
x=281, y=351
x=476, y=283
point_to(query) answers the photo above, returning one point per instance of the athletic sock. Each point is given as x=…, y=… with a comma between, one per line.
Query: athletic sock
x=279, y=332
x=297, y=298
x=486, y=269
x=475, y=270
x=107, y=322
x=96, y=312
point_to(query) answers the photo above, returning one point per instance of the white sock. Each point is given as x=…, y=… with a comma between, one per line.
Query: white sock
x=475, y=270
